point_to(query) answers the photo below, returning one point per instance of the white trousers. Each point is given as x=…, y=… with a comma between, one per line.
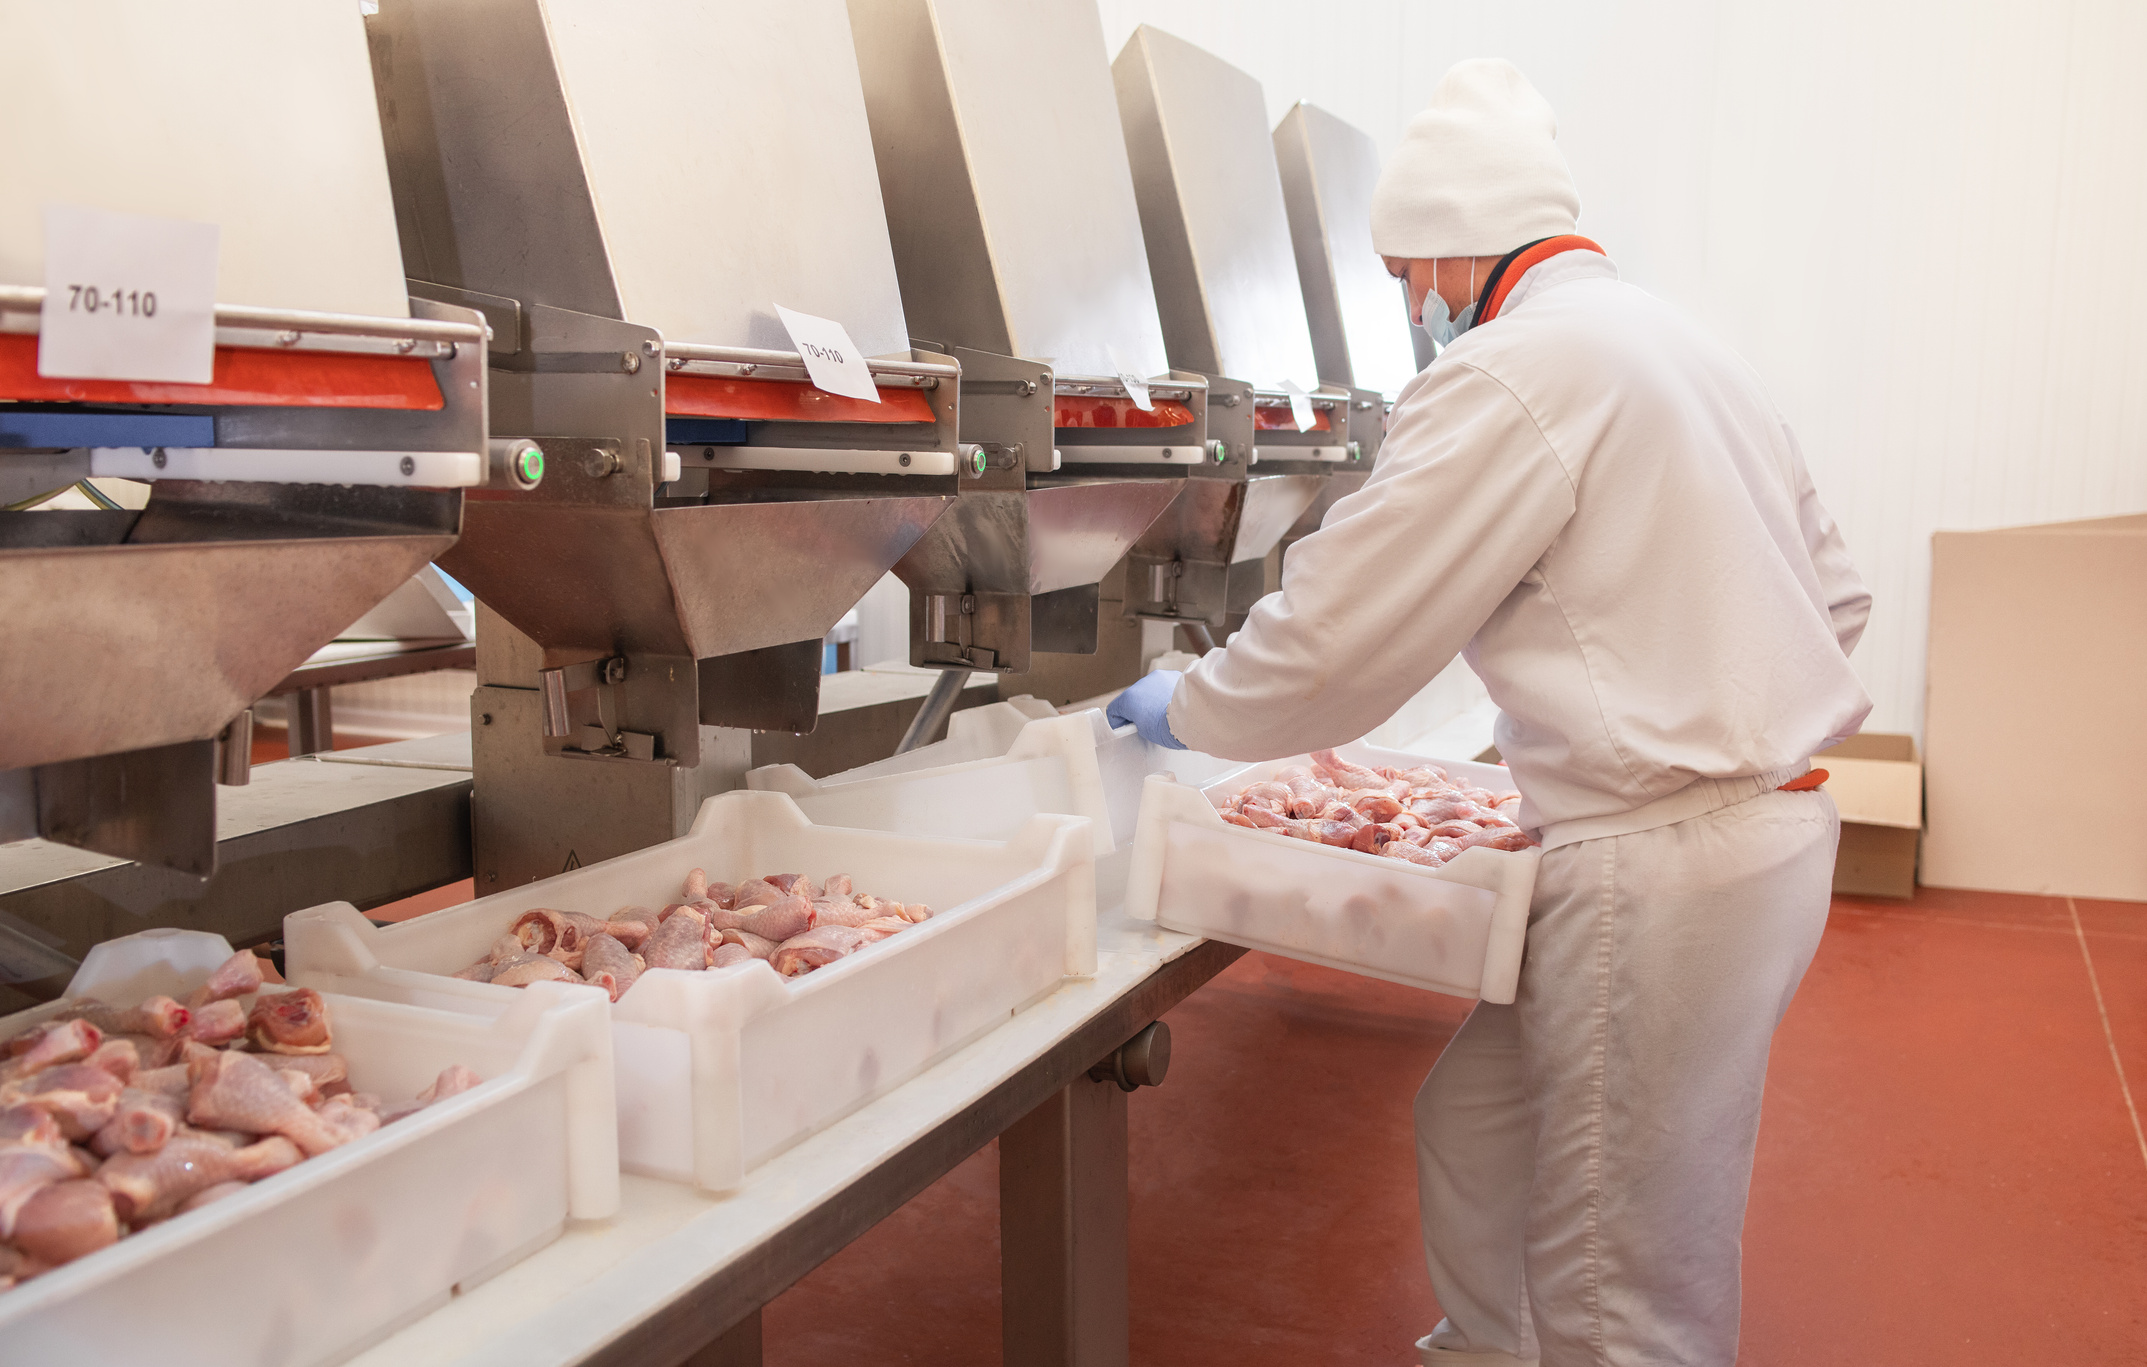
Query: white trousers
x=1584, y=1155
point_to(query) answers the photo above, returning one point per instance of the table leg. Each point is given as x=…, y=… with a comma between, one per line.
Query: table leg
x=312, y=728
x=738, y=1347
x=1062, y=1230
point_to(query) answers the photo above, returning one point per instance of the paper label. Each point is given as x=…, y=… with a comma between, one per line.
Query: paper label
x=831, y=358
x=1300, y=406
x=127, y=297
x=1136, y=386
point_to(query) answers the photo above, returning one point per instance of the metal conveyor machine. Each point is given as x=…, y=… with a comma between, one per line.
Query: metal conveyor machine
x=1218, y=237
x=629, y=193
x=308, y=458
x=1018, y=243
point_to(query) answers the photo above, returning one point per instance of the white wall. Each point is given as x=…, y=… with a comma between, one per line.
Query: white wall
x=1915, y=217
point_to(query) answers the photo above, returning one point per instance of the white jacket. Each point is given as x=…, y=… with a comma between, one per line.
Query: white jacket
x=1601, y=503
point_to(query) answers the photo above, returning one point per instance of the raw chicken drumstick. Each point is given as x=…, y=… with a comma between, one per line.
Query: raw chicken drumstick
x=148, y=1143
x=1419, y=814
x=289, y=1023
x=607, y=963
x=712, y=926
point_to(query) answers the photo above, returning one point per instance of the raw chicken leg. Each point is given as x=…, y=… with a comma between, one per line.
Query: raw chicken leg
x=290, y=1023
x=631, y=926
x=49, y=1044
x=239, y=1092
x=532, y=968
x=79, y=1097
x=218, y=1022
x=141, y=1123
x=816, y=948
x=235, y=977
x=453, y=1080
x=678, y=942
x=122, y=1058
x=147, y=1186
x=759, y=946
x=159, y=1017
x=24, y=1168
x=606, y=962
x=61, y=1222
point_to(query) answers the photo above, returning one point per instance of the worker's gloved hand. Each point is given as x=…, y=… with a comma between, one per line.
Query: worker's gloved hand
x=1147, y=706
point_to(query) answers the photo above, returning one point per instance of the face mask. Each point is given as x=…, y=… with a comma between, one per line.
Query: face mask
x=1440, y=325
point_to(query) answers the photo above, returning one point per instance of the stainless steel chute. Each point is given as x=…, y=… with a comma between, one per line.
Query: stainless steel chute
x=1360, y=327
x=1018, y=243
x=324, y=461
x=1218, y=242
x=714, y=513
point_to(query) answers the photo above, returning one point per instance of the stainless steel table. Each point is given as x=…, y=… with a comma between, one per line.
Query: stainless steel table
x=679, y=1276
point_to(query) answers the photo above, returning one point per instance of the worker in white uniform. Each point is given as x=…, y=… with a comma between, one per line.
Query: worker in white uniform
x=1595, y=503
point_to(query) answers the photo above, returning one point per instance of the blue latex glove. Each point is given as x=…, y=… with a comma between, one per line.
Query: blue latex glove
x=1147, y=706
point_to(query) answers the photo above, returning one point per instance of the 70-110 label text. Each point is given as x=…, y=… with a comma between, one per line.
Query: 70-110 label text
x=117, y=302
x=821, y=352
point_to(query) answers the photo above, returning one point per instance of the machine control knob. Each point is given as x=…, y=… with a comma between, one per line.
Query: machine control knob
x=599, y=463
x=1142, y=1061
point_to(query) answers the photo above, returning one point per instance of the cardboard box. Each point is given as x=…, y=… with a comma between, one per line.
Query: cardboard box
x=2034, y=734
x=1876, y=782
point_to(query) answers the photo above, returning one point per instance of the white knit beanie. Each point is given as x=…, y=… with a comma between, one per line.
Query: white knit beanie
x=1477, y=173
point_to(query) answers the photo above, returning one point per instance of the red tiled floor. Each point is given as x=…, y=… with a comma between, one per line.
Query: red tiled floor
x=1947, y=1173
x=1946, y=1170
x=2116, y=934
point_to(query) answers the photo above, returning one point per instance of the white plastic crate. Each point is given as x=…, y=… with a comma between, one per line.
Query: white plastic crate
x=973, y=733
x=1008, y=764
x=1003, y=764
x=318, y=1262
x=722, y=1069
x=1457, y=929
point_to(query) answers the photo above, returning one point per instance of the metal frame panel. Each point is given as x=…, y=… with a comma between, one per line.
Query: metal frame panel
x=1360, y=333
x=1212, y=212
x=255, y=115
x=1005, y=173
x=530, y=162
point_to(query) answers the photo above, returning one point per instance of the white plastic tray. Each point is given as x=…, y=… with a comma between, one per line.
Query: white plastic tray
x=1457, y=929
x=316, y=1263
x=1000, y=765
x=1009, y=762
x=973, y=733
x=720, y=1070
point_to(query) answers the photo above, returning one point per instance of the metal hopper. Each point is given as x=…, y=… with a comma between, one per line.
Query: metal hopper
x=1218, y=239
x=1360, y=332
x=319, y=467
x=1018, y=244
x=711, y=514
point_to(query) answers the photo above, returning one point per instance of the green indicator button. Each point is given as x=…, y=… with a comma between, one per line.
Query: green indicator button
x=529, y=465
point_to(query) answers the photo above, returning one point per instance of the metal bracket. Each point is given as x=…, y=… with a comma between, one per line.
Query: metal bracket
x=950, y=632
x=599, y=740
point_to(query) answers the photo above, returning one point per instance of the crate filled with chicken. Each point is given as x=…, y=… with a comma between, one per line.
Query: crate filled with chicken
x=1393, y=865
x=765, y=975
x=184, y=1143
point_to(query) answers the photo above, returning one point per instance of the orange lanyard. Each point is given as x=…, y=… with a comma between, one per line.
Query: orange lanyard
x=1508, y=272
